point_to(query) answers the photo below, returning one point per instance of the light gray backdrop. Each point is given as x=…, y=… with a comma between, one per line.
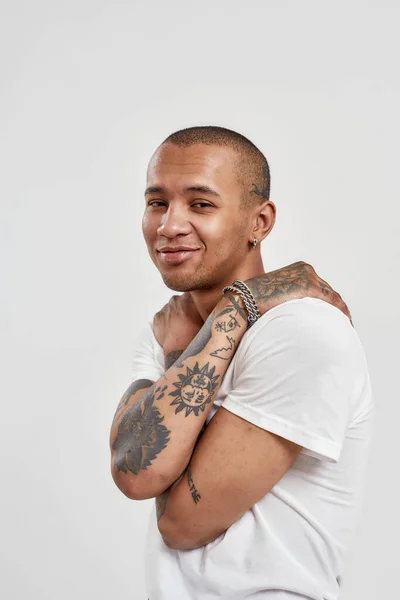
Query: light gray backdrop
x=88, y=90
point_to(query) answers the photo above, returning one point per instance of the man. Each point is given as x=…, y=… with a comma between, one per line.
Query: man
x=252, y=437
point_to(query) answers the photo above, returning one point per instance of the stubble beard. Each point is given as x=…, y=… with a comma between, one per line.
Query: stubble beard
x=208, y=277
x=203, y=278
x=190, y=282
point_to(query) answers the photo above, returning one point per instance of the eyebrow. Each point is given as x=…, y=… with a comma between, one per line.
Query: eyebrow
x=202, y=189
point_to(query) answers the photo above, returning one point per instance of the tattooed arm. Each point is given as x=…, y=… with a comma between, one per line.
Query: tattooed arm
x=161, y=500
x=298, y=280
x=176, y=325
x=152, y=437
x=223, y=480
x=154, y=433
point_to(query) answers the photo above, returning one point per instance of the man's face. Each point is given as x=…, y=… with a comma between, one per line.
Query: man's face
x=193, y=224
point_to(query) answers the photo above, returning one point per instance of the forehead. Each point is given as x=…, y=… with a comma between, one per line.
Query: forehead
x=172, y=164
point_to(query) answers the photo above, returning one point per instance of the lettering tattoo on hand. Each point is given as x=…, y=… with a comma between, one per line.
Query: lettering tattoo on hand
x=141, y=435
x=192, y=488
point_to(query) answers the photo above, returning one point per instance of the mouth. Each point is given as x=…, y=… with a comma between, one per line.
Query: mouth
x=176, y=257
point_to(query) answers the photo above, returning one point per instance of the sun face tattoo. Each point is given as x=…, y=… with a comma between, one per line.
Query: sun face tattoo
x=195, y=389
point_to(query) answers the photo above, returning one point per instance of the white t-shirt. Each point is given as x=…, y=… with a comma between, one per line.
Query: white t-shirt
x=299, y=372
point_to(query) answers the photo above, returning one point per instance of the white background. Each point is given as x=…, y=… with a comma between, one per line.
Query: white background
x=88, y=90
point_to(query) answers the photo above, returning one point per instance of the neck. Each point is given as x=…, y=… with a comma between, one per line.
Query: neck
x=205, y=300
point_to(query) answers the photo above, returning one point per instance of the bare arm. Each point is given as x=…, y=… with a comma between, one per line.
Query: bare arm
x=153, y=436
x=233, y=466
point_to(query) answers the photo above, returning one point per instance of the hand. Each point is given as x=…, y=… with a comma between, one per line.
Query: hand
x=294, y=281
x=176, y=324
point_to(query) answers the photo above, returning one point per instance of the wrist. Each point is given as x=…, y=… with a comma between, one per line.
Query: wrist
x=229, y=323
x=242, y=289
x=229, y=299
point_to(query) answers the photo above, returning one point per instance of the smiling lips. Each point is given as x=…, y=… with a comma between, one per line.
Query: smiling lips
x=176, y=255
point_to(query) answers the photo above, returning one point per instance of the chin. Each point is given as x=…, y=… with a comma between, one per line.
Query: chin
x=187, y=283
x=178, y=285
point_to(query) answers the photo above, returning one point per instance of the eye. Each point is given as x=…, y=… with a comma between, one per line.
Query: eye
x=202, y=204
x=156, y=203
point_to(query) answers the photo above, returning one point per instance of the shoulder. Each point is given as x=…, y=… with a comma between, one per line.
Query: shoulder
x=146, y=334
x=309, y=327
x=304, y=314
x=145, y=342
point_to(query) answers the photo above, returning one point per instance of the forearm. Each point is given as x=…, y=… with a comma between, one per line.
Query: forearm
x=153, y=438
x=180, y=509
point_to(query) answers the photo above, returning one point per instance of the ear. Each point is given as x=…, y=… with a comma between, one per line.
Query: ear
x=263, y=222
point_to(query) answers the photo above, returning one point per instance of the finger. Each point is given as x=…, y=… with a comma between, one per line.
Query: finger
x=343, y=306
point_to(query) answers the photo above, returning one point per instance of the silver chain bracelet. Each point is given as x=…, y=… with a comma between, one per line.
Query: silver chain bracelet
x=243, y=286
x=240, y=288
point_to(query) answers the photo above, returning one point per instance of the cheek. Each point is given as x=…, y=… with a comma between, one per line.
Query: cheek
x=222, y=235
x=149, y=227
x=213, y=231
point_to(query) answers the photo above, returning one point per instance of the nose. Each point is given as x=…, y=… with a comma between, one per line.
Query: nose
x=174, y=222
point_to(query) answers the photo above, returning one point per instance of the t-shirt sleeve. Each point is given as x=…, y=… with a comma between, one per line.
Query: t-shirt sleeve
x=294, y=376
x=148, y=358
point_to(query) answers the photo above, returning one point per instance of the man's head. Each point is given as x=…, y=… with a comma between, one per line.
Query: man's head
x=208, y=195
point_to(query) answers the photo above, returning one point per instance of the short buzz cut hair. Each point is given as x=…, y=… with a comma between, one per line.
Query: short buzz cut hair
x=252, y=166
